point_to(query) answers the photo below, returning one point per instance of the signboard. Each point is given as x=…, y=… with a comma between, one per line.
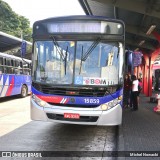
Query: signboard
x=129, y=58
x=23, y=48
x=137, y=58
x=83, y=26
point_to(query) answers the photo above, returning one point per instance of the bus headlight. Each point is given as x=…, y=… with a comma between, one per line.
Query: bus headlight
x=104, y=107
x=37, y=100
x=120, y=98
x=110, y=104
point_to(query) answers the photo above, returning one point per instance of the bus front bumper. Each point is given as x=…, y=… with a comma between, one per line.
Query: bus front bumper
x=88, y=116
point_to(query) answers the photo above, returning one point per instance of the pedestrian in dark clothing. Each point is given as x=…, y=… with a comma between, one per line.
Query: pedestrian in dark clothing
x=159, y=83
x=131, y=96
x=139, y=89
x=126, y=91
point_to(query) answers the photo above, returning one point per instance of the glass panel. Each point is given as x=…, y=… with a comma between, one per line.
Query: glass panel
x=1, y=65
x=53, y=62
x=26, y=68
x=18, y=68
x=93, y=63
x=97, y=64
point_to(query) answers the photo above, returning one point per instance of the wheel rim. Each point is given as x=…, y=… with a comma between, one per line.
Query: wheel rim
x=24, y=91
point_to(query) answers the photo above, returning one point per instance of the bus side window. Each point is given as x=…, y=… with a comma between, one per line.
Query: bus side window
x=25, y=68
x=4, y=65
x=18, y=67
x=30, y=66
x=12, y=66
x=21, y=68
x=1, y=65
x=8, y=65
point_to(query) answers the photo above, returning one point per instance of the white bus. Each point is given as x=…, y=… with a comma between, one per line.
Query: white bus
x=78, y=64
x=15, y=76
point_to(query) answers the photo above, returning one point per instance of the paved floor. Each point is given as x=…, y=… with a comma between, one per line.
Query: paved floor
x=14, y=113
x=140, y=130
x=19, y=133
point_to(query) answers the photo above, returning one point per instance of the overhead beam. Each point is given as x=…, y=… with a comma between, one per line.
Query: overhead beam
x=135, y=6
x=139, y=7
x=9, y=47
x=133, y=48
x=117, y=3
x=146, y=45
x=137, y=31
x=85, y=6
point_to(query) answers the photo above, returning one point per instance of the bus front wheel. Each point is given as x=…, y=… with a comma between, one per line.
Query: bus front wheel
x=23, y=91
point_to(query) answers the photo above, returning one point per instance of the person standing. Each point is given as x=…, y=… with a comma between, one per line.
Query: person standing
x=153, y=83
x=126, y=91
x=135, y=93
x=139, y=88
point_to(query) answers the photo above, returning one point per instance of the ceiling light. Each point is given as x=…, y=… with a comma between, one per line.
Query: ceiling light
x=150, y=30
x=137, y=49
x=141, y=42
x=119, y=26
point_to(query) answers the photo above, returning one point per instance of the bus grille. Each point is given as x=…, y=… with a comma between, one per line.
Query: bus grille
x=82, y=118
x=73, y=105
x=71, y=91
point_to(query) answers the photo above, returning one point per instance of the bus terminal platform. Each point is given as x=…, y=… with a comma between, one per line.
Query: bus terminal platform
x=140, y=130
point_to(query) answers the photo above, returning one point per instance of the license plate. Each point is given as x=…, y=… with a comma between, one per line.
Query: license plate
x=71, y=115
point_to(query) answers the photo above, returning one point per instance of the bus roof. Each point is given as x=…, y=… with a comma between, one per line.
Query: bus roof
x=78, y=17
x=78, y=25
x=13, y=57
x=8, y=41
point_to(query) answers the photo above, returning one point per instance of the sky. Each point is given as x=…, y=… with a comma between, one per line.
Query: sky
x=40, y=9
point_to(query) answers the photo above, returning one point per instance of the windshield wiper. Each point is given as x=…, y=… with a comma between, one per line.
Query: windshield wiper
x=58, y=48
x=91, y=48
x=81, y=61
x=65, y=60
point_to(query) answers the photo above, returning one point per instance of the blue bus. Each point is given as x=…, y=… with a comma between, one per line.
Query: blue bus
x=15, y=76
x=77, y=72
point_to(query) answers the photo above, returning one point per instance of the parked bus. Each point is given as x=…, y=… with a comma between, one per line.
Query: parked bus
x=77, y=75
x=15, y=76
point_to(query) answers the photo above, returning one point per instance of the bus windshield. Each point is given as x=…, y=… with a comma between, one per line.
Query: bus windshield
x=78, y=62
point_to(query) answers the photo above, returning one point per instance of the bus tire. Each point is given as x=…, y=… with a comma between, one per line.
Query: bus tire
x=24, y=91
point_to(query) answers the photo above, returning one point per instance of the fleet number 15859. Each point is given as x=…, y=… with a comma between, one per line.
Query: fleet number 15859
x=87, y=100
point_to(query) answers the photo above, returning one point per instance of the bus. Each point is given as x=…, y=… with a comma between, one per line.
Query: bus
x=15, y=76
x=77, y=72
